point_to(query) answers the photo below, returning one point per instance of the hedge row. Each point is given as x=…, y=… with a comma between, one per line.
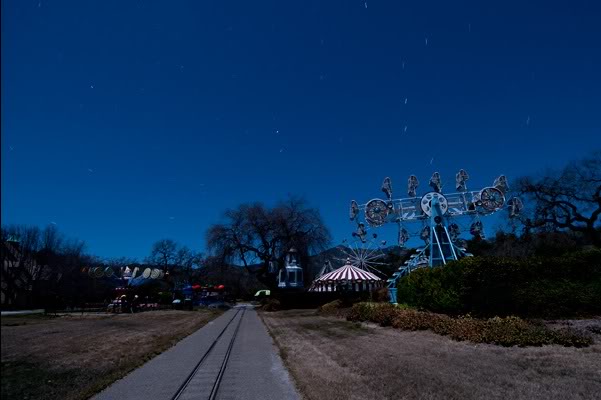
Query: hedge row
x=508, y=331
x=535, y=287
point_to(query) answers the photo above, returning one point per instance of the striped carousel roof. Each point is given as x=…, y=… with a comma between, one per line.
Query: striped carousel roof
x=348, y=272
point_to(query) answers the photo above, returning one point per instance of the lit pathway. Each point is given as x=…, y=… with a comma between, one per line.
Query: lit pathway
x=253, y=370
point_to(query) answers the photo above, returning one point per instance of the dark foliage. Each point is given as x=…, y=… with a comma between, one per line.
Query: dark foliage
x=540, y=243
x=253, y=233
x=271, y=305
x=565, y=200
x=564, y=286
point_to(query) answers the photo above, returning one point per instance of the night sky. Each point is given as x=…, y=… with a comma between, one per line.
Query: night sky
x=126, y=122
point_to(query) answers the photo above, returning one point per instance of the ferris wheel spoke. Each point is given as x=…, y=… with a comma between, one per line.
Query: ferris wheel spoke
x=366, y=256
x=356, y=254
x=374, y=262
x=375, y=253
x=377, y=263
x=372, y=268
x=372, y=252
x=369, y=252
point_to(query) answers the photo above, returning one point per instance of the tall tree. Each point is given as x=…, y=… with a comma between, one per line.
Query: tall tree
x=32, y=258
x=163, y=253
x=253, y=233
x=569, y=199
x=188, y=260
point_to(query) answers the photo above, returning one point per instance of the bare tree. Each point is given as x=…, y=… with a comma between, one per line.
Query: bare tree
x=253, y=233
x=163, y=253
x=32, y=258
x=569, y=199
x=188, y=260
x=52, y=239
x=20, y=244
x=178, y=261
x=29, y=237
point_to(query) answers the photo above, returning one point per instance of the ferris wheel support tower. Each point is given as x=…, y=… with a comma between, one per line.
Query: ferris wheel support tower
x=437, y=212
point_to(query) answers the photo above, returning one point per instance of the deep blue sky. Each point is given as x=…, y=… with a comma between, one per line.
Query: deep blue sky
x=125, y=122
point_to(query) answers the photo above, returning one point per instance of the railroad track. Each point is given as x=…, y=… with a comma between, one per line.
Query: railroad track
x=204, y=380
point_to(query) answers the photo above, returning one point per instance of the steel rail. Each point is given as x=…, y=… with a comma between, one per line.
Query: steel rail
x=185, y=384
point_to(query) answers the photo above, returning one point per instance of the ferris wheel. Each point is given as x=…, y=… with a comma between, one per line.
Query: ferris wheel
x=438, y=213
x=365, y=254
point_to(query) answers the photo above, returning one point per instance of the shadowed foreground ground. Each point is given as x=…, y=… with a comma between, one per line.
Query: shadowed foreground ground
x=72, y=357
x=331, y=358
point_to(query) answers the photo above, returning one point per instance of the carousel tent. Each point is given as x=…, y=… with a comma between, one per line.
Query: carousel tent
x=347, y=277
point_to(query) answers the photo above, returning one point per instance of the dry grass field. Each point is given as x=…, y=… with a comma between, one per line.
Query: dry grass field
x=74, y=356
x=331, y=359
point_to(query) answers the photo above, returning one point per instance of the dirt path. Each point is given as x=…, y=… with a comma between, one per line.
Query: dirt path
x=334, y=359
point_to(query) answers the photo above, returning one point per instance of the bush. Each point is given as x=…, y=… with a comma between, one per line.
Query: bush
x=508, y=331
x=331, y=307
x=433, y=289
x=513, y=331
x=271, y=305
x=534, y=287
x=412, y=320
x=381, y=295
x=383, y=313
x=361, y=312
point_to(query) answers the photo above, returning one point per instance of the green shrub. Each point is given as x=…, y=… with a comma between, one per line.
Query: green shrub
x=507, y=331
x=384, y=313
x=433, y=289
x=361, y=312
x=535, y=287
x=331, y=307
x=412, y=320
x=381, y=313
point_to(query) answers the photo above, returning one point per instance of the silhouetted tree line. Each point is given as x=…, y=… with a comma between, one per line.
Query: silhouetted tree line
x=44, y=268
x=248, y=247
x=39, y=266
x=566, y=200
x=562, y=213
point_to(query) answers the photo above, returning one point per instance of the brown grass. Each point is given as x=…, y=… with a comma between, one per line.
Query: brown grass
x=334, y=359
x=72, y=357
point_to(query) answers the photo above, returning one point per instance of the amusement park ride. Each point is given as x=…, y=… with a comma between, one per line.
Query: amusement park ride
x=438, y=213
x=129, y=281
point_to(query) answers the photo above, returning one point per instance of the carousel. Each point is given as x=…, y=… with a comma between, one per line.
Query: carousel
x=347, y=278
